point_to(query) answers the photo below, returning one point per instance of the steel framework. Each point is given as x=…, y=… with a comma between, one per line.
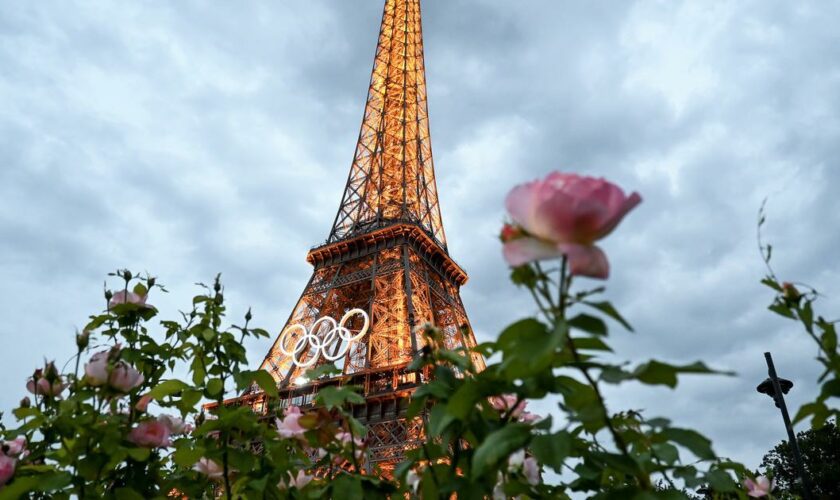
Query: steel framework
x=386, y=253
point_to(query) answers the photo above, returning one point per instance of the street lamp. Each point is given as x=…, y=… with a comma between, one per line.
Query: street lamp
x=776, y=388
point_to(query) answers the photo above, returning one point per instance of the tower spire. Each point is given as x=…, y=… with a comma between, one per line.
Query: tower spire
x=392, y=178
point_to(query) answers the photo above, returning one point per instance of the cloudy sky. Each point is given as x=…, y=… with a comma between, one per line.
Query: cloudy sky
x=190, y=138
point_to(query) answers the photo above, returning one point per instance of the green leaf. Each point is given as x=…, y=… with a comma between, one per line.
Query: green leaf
x=590, y=344
x=831, y=389
x=609, y=310
x=464, y=400
x=139, y=454
x=589, y=324
x=770, y=282
x=167, y=388
x=552, y=449
x=439, y=420
x=335, y=397
x=781, y=309
x=128, y=494
x=693, y=440
x=261, y=377
x=497, y=446
x=326, y=369
x=140, y=289
x=187, y=457
x=346, y=487
x=215, y=387
x=806, y=315
x=657, y=373
x=529, y=347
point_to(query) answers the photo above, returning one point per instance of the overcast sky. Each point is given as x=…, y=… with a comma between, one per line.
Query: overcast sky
x=190, y=138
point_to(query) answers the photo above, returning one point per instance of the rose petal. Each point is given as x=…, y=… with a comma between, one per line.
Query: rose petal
x=523, y=250
x=586, y=260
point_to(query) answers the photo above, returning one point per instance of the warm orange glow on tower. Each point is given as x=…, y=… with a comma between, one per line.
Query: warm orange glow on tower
x=386, y=255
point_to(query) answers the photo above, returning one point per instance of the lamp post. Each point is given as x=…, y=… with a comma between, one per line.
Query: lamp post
x=776, y=388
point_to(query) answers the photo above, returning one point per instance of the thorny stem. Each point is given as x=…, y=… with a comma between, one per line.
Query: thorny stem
x=564, y=285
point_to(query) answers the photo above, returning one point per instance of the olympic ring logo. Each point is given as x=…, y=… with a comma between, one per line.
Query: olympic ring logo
x=321, y=343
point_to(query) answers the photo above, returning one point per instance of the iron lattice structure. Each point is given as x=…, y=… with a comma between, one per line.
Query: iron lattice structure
x=386, y=253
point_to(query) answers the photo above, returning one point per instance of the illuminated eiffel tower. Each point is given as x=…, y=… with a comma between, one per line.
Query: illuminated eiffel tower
x=385, y=268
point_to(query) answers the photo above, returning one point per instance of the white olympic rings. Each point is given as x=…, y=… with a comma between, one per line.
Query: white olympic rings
x=321, y=343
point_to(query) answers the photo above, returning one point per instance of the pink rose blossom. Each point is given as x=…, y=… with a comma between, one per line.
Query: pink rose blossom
x=46, y=382
x=143, y=403
x=505, y=402
x=298, y=481
x=289, y=427
x=124, y=297
x=150, y=434
x=565, y=214
x=124, y=377
x=762, y=486
x=7, y=468
x=531, y=470
x=96, y=370
x=529, y=418
x=209, y=468
x=16, y=447
x=175, y=424
x=528, y=466
x=344, y=438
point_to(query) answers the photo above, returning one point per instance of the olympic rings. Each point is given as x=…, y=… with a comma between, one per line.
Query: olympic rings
x=321, y=343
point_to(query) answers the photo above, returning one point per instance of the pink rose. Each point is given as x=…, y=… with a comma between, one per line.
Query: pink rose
x=762, y=486
x=124, y=377
x=96, y=370
x=528, y=466
x=529, y=418
x=143, y=403
x=505, y=402
x=209, y=468
x=344, y=438
x=289, y=427
x=531, y=470
x=46, y=382
x=565, y=214
x=298, y=481
x=150, y=434
x=7, y=468
x=16, y=447
x=175, y=424
x=124, y=297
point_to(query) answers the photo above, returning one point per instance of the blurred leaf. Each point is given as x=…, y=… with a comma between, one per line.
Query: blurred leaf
x=609, y=310
x=167, y=388
x=589, y=324
x=140, y=289
x=325, y=369
x=781, y=309
x=770, y=282
x=139, y=454
x=215, y=387
x=497, y=446
x=128, y=494
x=692, y=440
x=336, y=397
x=590, y=344
x=552, y=449
x=528, y=348
x=657, y=373
x=261, y=377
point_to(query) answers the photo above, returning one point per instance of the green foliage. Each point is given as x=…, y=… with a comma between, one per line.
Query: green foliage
x=820, y=450
x=478, y=440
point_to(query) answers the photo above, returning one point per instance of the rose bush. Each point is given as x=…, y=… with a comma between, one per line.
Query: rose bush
x=131, y=424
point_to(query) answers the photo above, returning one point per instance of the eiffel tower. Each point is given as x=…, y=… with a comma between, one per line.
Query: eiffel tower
x=385, y=268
